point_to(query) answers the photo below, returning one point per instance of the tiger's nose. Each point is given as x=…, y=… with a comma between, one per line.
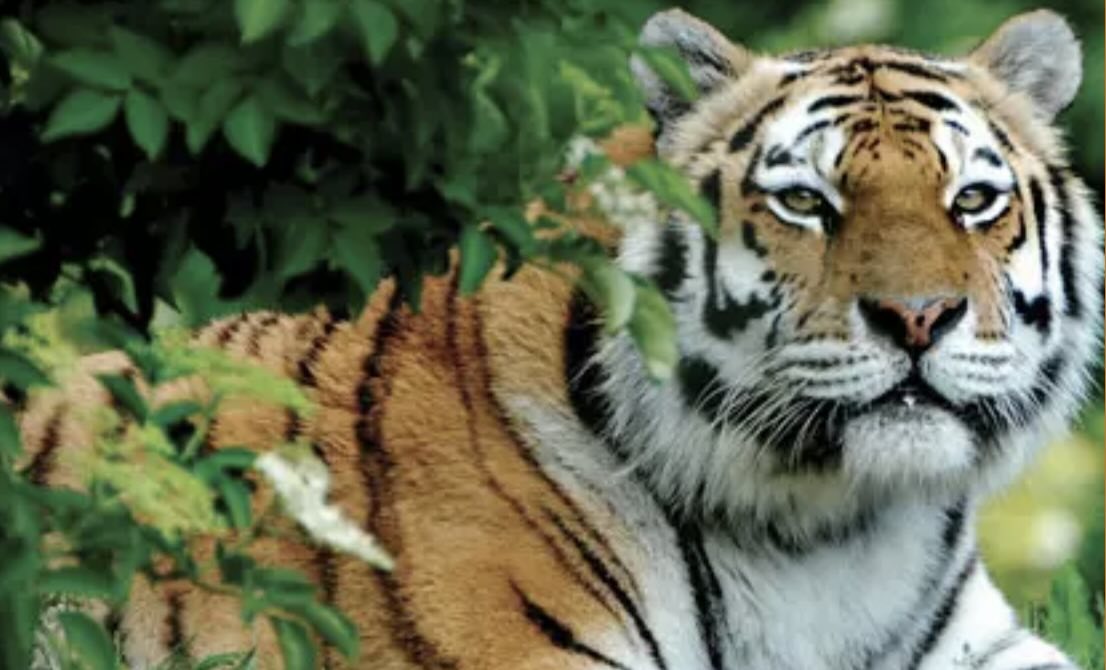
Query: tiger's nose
x=915, y=325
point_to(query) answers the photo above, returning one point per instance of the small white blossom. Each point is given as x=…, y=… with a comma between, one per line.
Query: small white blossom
x=622, y=202
x=302, y=483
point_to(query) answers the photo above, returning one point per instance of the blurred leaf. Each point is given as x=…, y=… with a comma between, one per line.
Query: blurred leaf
x=236, y=497
x=147, y=121
x=81, y=112
x=316, y=19
x=670, y=67
x=19, y=370
x=87, y=641
x=10, y=445
x=94, y=68
x=173, y=412
x=672, y=188
x=258, y=18
x=611, y=289
x=478, y=256
x=143, y=57
x=14, y=244
x=125, y=394
x=235, y=458
x=358, y=253
x=334, y=627
x=78, y=580
x=313, y=65
x=654, y=332
x=250, y=129
x=296, y=646
x=287, y=104
x=205, y=63
x=19, y=44
x=365, y=211
x=211, y=111
x=378, y=27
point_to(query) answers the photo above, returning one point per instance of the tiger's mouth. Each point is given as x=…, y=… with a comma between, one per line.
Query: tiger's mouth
x=912, y=392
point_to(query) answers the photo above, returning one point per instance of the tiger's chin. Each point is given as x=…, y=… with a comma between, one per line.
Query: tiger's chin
x=905, y=446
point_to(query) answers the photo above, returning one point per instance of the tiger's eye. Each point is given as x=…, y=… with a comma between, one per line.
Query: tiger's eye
x=801, y=200
x=973, y=199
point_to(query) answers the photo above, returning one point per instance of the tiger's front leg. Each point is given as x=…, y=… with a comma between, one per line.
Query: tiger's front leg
x=981, y=632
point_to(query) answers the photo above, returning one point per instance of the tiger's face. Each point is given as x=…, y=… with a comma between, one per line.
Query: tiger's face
x=904, y=289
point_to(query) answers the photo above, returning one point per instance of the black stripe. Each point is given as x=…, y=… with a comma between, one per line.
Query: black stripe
x=176, y=643
x=1036, y=313
x=599, y=569
x=1040, y=212
x=943, y=615
x=672, y=260
x=988, y=156
x=1073, y=303
x=915, y=69
x=230, y=329
x=746, y=133
x=42, y=464
x=932, y=99
x=812, y=128
x=833, y=101
x=253, y=343
x=559, y=634
x=305, y=373
x=1019, y=238
x=723, y=314
x=1000, y=135
x=710, y=612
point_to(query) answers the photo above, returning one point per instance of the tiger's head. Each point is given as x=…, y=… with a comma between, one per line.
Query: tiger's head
x=905, y=291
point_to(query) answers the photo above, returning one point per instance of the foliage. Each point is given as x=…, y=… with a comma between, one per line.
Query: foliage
x=163, y=162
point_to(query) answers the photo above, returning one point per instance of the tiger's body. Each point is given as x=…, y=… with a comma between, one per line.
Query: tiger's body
x=864, y=355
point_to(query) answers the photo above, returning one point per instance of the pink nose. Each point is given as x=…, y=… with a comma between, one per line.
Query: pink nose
x=915, y=325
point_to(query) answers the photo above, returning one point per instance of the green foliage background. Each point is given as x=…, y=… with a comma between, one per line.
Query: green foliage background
x=163, y=162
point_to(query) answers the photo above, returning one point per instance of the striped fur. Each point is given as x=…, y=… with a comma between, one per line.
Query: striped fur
x=785, y=502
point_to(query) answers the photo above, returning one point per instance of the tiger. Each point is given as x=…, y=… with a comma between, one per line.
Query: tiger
x=900, y=304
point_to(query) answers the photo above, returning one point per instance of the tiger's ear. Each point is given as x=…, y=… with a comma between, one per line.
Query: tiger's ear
x=710, y=58
x=1037, y=54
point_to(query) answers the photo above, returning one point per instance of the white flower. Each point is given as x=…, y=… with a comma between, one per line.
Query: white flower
x=621, y=201
x=302, y=482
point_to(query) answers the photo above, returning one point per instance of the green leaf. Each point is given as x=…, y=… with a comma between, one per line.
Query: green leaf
x=295, y=644
x=334, y=627
x=10, y=444
x=357, y=251
x=147, y=121
x=671, y=68
x=216, y=661
x=654, y=332
x=143, y=57
x=364, y=211
x=87, y=641
x=174, y=412
x=314, y=65
x=205, y=63
x=236, y=497
x=238, y=458
x=82, y=112
x=378, y=28
x=478, y=256
x=19, y=370
x=124, y=392
x=195, y=289
x=286, y=103
x=250, y=129
x=210, y=112
x=490, y=128
x=672, y=188
x=14, y=244
x=611, y=289
x=317, y=17
x=94, y=68
x=258, y=18
x=78, y=580
x=19, y=44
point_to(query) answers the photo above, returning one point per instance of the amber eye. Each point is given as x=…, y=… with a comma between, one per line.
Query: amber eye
x=801, y=200
x=974, y=199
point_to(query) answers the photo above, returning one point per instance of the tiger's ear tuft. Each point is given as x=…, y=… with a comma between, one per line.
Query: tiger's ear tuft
x=710, y=58
x=1037, y=54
